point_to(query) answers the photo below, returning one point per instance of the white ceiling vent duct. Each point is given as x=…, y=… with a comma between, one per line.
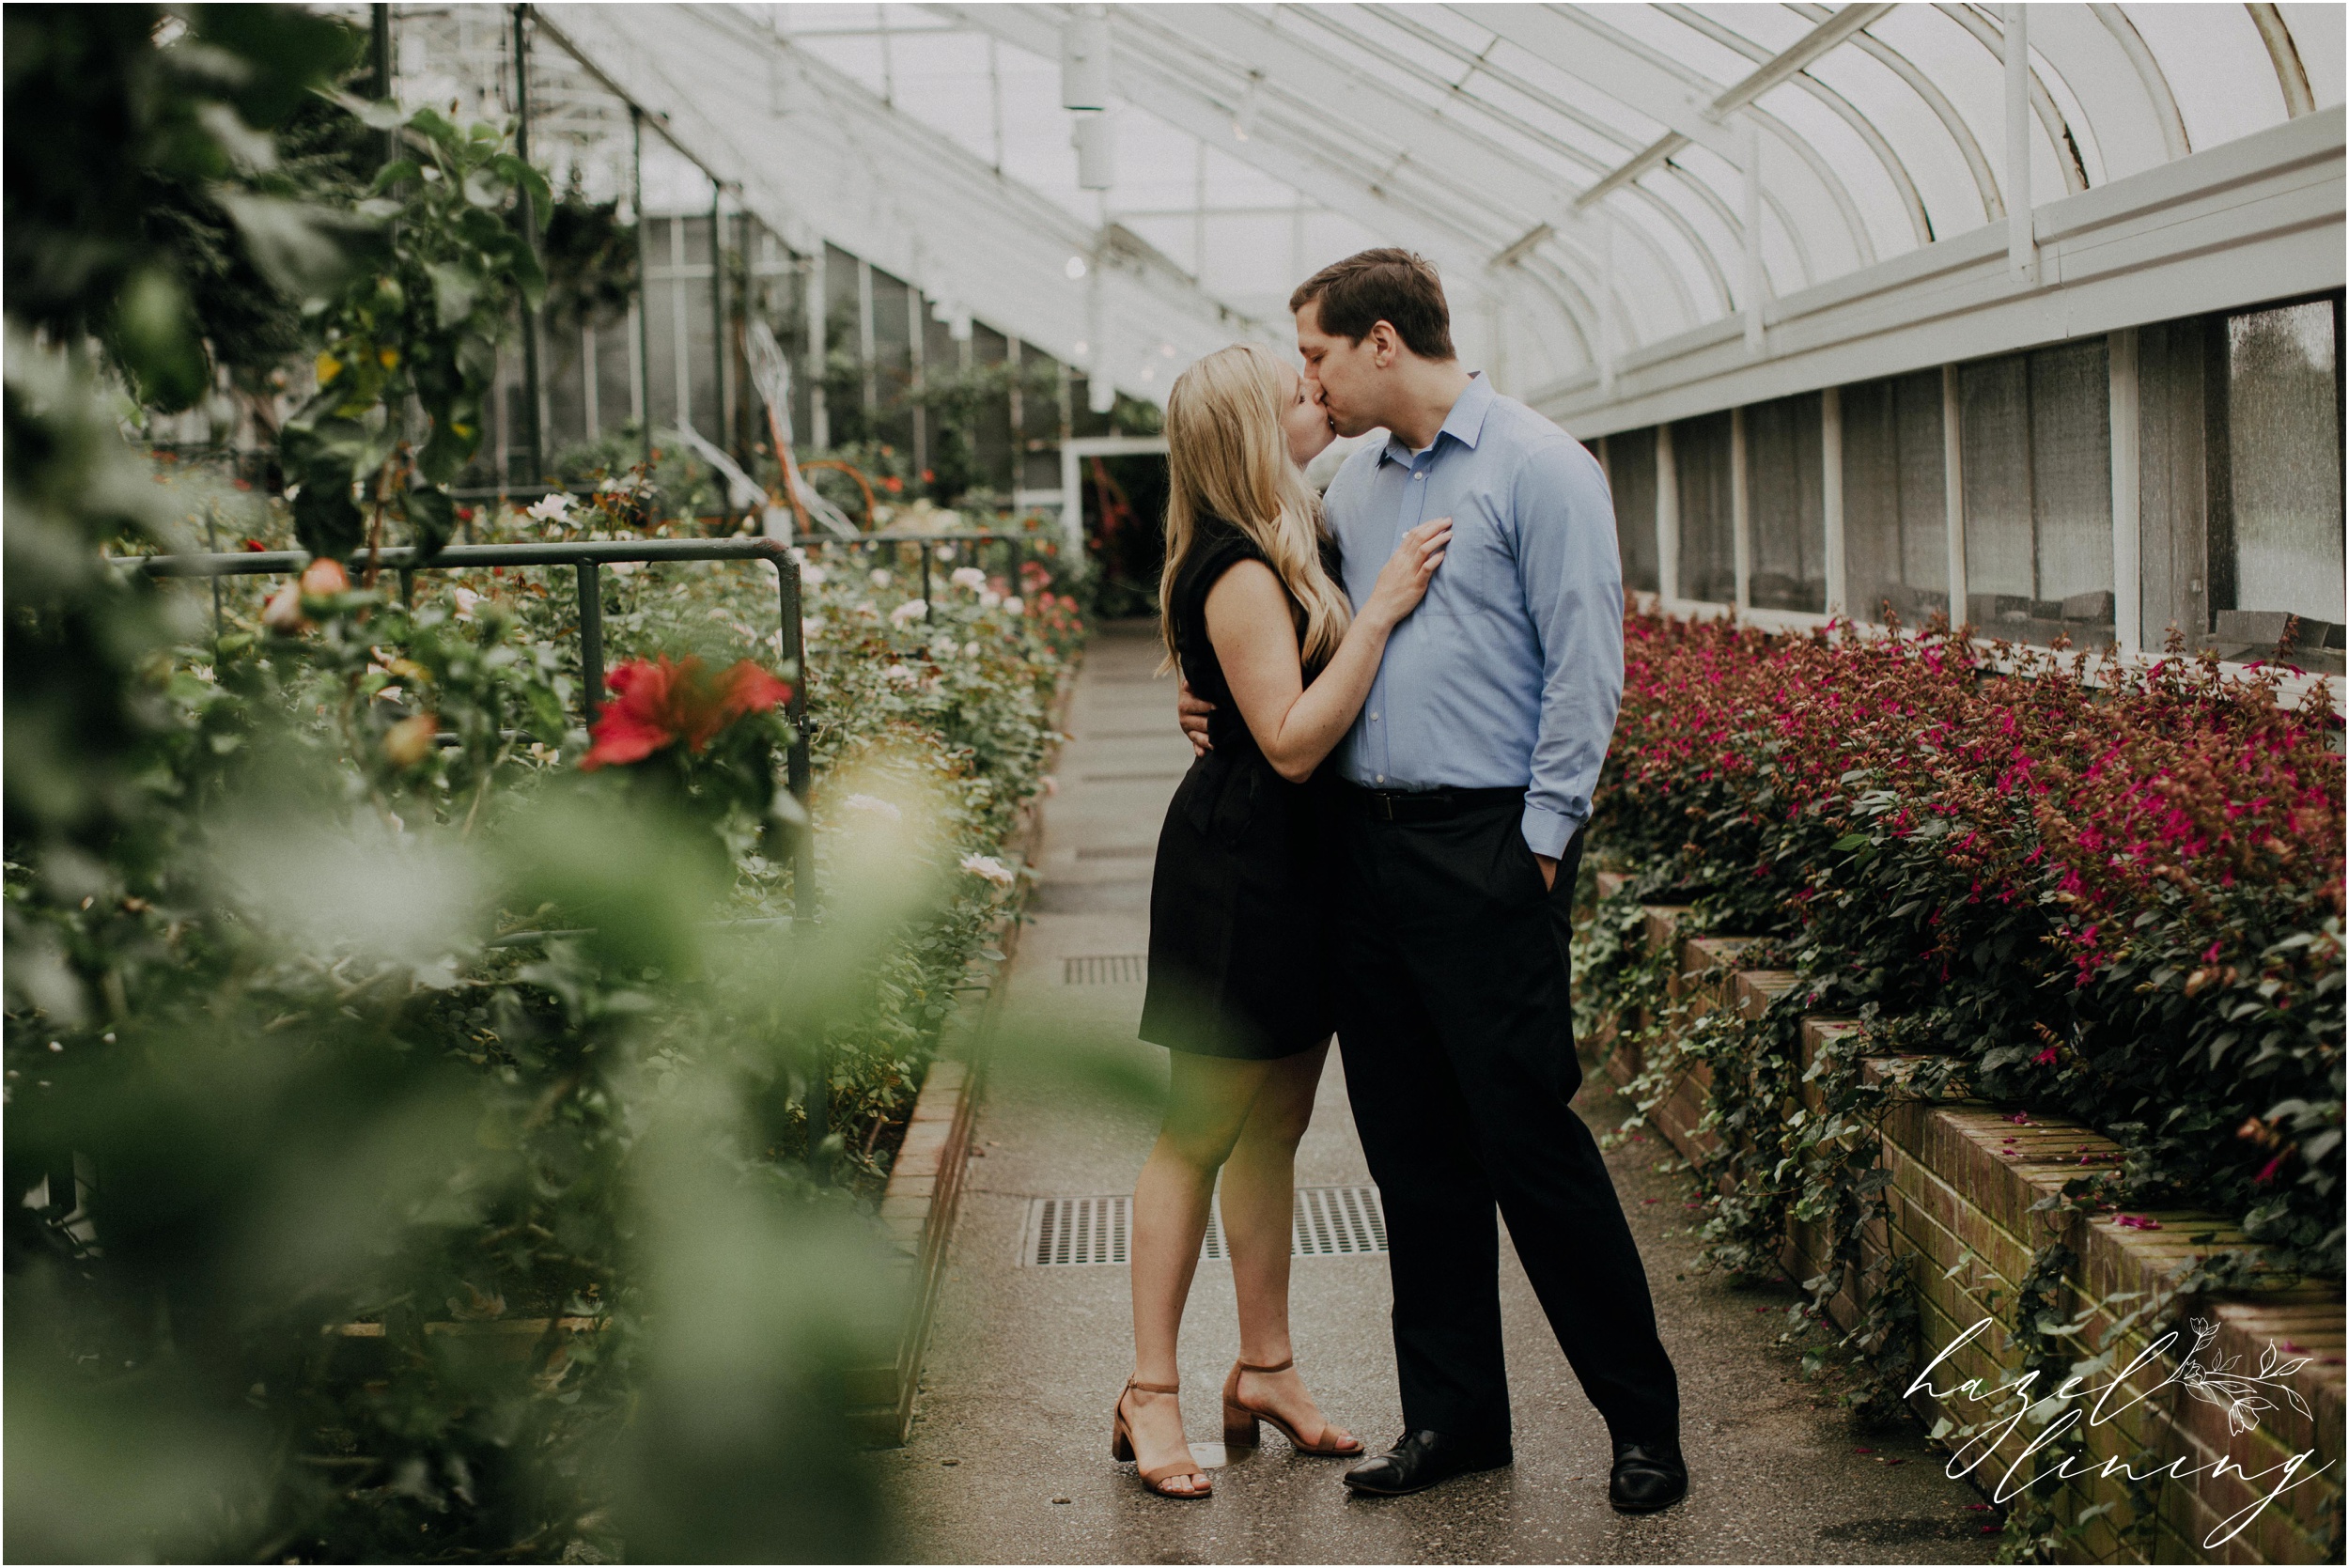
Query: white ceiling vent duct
x=1084, y=59
x=1097, y=151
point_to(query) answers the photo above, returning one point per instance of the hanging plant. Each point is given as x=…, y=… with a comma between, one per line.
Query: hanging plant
x=590, y=259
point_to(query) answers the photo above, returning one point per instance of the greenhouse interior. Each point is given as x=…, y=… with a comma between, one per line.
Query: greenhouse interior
x=588, y=726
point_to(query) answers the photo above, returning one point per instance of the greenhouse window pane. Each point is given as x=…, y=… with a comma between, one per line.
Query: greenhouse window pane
x=1895, y=508
x=2036, y=434
x=1787, y=503
x=1708, y=565
x=2172, y=489
x=1631, y=474
x=2276, y=540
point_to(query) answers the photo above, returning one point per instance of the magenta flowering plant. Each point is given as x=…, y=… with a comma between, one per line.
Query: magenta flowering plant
x=2116, y=896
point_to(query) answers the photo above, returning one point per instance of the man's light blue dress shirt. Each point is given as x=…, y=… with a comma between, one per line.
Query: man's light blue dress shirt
x=1509, y=673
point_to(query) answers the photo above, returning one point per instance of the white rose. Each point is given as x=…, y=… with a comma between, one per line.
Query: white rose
x=990, y=869
x=911, y=610
x=969, y=577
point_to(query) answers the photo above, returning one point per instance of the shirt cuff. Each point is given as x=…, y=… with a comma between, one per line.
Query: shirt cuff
x=1549, y=832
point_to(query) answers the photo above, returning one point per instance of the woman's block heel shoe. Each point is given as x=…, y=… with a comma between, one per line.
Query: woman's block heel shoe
x=1154, y=1477
x=1240, y=1421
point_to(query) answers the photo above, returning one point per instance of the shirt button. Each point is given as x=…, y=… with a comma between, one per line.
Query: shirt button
x=1379, y=778
x=1419, y=477
x=1374, y=718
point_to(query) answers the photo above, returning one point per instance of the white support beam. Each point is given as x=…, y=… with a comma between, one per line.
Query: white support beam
x=2253, y=219
x=1953, y=491
x=2128, y=617
x=2021, y=255
x=1740, y=510
x=1832, y=499
x=1667, y=516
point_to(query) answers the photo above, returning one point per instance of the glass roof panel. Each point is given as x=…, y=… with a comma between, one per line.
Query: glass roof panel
x=1685, y=49
x=1624, y=125
x=2317, y=33
x=2216, y=67
x=1254, y=143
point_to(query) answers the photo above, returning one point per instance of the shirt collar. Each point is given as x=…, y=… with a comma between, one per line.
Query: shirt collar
x=1465, y=423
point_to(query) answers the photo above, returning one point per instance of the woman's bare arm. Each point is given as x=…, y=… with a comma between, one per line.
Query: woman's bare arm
x=1254, y=635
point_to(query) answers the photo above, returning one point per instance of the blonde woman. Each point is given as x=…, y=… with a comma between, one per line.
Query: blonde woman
x=1254, y=618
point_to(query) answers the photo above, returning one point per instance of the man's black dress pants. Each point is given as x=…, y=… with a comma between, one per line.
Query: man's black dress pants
x=1457, y=1031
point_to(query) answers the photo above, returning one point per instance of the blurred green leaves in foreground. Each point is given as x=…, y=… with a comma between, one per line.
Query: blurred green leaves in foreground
x=349, y=1229
x=405, y=1141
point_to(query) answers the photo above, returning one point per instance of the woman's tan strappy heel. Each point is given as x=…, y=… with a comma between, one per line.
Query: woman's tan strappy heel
x=1240, y=1419
x=1155, y=1477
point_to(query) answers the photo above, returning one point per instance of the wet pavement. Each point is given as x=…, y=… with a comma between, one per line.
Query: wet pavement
x=1009, y=1458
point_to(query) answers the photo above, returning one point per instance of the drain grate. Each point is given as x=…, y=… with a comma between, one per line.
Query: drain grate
x=1328, y=1222
x=1118, y=852
x=1106, y=968
x=1077, y=1231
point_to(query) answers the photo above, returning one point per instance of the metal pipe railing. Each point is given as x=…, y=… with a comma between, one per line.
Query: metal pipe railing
x=587, y=557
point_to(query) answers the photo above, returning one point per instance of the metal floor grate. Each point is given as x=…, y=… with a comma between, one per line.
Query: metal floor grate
x=1330, y=1222
x=1106, y=968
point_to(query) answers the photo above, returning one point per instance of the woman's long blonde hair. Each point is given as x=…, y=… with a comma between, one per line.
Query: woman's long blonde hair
x=1228, y=458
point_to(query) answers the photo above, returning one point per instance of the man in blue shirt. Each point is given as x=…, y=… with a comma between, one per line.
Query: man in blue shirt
x=1466, y=782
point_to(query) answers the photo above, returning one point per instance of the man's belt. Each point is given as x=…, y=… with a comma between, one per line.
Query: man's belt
x=1423, y=805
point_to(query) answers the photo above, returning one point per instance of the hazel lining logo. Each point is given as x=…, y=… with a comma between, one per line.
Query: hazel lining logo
x=2214, y=1380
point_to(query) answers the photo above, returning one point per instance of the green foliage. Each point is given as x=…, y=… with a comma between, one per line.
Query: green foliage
x=590, y=259
x=2120, y=904
x=407, y=1146
x=425, y=326
x=147, y=203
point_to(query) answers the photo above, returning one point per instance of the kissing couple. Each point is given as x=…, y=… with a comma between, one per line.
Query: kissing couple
x=1401, y=698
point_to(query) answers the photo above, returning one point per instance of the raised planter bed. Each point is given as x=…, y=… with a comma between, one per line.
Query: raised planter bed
x=926, y=1181
x=1962, y=1209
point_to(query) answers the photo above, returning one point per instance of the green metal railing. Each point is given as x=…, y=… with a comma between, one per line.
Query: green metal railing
x=588, y=557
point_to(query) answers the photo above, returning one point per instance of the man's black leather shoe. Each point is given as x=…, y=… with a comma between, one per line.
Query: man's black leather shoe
x=1421, y=1459
x=1647, y=1476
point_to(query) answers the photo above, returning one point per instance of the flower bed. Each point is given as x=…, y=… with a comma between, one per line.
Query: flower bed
x=2110, y=910
x=2116, y=901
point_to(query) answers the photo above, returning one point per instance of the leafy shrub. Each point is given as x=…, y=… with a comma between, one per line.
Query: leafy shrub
x=2118, y=899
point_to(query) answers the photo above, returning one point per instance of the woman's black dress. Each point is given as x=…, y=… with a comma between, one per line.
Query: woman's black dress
x=1238, y=965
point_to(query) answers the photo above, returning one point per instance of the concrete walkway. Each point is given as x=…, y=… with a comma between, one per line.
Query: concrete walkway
x=1009, y=1458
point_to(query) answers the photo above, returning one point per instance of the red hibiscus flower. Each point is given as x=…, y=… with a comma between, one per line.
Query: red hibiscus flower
x=671, y=701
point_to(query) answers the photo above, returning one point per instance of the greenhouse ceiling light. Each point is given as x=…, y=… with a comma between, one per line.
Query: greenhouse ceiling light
x=1097, y=150
x=1084, y=59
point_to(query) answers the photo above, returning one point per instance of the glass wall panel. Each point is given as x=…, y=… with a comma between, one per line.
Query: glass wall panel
x=2172, y=493
x=1631, y=474
x=697, y=311
x=1787, y=504
x=2036, y=436
x=991, y=416
x=1895, y=503
x=896, y=309
x=1708, y=562
x=2276, y=540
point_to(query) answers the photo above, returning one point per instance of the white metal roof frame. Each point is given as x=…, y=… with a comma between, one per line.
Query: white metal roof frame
x=1604, y=186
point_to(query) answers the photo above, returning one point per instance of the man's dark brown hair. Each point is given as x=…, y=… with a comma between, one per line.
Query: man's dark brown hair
x=1385, y=285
